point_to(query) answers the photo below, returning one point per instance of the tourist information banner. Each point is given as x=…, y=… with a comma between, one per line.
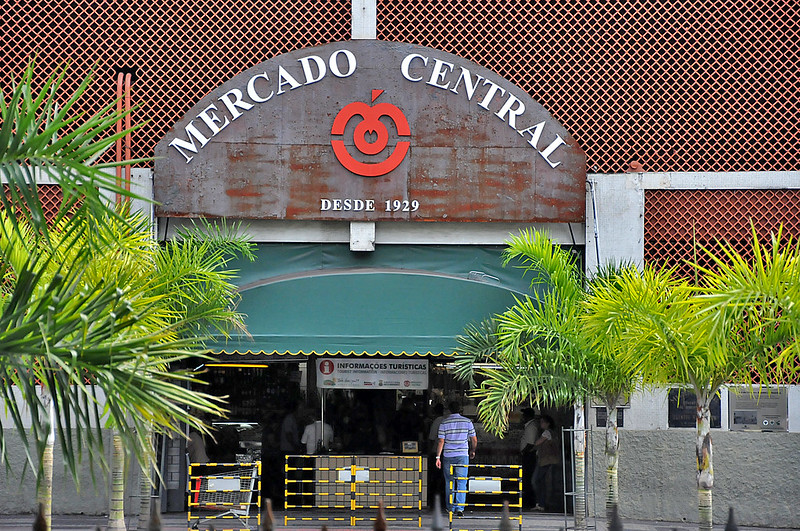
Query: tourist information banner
x=372, y=374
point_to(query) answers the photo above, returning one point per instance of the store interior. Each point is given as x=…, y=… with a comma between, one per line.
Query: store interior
x=266, y=398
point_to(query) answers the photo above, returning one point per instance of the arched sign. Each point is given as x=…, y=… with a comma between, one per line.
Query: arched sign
x=372, y=131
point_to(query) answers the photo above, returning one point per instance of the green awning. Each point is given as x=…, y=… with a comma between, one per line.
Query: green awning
x=362, y=312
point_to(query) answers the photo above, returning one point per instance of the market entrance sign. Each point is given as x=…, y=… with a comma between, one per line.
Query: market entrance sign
x=370, y=130
x=372, y=374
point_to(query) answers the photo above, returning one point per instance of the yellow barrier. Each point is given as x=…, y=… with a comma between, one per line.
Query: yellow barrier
x=349, y=488
x=224, y=491
x=508, y=479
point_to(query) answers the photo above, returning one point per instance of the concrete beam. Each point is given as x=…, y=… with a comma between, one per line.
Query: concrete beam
x=141, y=185
x=392, y=232
x=364, y=23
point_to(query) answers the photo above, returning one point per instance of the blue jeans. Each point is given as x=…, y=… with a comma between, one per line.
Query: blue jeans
x=455, y=489
x=542, y=483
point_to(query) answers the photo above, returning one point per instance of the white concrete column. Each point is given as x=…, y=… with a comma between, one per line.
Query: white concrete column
x=362, y=236
x=142, y=185
x=618, y=219
x=365, y=23
x=794, y=408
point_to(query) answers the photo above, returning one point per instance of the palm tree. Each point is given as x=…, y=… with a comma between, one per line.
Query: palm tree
x=739, y=322
x=132, y=259
x=76, y=338
x=758, y=300
x=192, y=276
x=188, y=279
x=542, y=355
x=198, y=290
x=607, y=380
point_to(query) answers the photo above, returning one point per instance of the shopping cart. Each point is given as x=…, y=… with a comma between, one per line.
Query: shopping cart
x=225, y=494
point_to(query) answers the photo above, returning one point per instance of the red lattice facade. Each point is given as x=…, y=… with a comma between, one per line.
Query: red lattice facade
x=676, y=85
x=178, y=50
x=51, y=197
x=675, y=219
x=677, y=222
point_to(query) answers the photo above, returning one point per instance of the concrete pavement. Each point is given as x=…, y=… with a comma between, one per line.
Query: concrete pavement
x=531, y=522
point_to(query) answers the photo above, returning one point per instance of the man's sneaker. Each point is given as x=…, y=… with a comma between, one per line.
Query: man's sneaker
x=538, y=508
x=459, y=513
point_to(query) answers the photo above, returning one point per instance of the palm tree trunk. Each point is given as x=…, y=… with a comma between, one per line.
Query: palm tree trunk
x=705, y=463
x=116, y=509
x=579, y=462
x=44, y=493
x=145, y=489
x=612, y=460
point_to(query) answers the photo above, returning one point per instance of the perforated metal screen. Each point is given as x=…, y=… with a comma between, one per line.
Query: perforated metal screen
x=178, y=50
x=676, y=85
x=50, y=196
x=675, y=219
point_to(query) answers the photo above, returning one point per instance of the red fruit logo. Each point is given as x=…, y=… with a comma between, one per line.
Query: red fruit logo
x=371, y=124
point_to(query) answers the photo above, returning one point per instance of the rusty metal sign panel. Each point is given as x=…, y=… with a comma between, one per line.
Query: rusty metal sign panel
x=370, y=131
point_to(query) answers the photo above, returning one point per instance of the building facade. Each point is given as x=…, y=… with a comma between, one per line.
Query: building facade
x=626, y=130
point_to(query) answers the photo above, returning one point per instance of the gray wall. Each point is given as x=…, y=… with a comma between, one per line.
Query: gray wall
x=18, y=493
x=755, y=473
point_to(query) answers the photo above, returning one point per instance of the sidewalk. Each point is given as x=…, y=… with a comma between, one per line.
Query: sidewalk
x=531, y=522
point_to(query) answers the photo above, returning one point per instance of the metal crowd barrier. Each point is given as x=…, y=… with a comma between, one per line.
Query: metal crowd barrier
x=224, y=492
x=488, y=487
x=348, y=488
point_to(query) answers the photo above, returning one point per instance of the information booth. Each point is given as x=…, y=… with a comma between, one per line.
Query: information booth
x=379, y=410
x=375, y=409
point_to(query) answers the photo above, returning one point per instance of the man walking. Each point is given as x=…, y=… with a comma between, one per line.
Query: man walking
x=527, y=450
x=435, y=478
x=457, y=444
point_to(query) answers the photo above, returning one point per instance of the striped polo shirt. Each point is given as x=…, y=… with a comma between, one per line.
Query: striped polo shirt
x=456, y=431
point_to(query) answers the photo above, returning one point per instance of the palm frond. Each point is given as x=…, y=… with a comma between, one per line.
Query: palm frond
x=70, y=332
x=195, y=282
x=538, y=377
x=82, y=317
x=43, y=136
x=477, y=345
x=542, y=352
x=548, y=264
x=752, y=305
x=225, y=239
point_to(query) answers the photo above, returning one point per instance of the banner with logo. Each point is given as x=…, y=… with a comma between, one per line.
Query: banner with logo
x=372, y=374
x=370, y=130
